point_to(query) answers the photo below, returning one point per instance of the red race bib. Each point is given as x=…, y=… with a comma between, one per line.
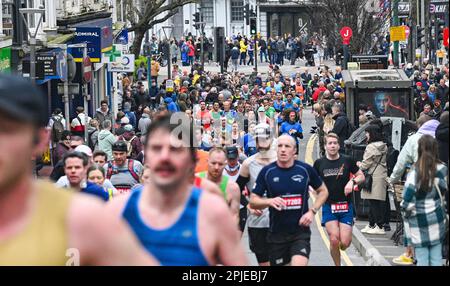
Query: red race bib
x=293, y=202
x=341, y=207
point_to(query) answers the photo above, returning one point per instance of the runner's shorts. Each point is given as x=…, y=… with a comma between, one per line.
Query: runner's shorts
x=342, y=216
x=283, y=246
x=257, y=238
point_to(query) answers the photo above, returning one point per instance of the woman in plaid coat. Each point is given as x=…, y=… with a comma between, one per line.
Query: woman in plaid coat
x=422, y=207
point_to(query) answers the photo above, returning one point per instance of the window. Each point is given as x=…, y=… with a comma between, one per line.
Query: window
x=237, y=10
x=207, y=11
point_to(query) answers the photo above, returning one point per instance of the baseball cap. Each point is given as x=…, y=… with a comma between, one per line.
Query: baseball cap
x=120, y=146
x=23, y=101
x=232, y=152
x=84, y=149
x=128, y=127
x=261, y=109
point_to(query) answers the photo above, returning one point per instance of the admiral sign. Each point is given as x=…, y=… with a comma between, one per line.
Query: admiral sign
x=98, y=37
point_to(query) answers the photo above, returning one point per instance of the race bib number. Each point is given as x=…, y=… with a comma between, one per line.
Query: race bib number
x=339, y=207
x=123, y=190
x=293, y=202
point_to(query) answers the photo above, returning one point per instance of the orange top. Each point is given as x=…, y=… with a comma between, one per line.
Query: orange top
x=202, y=161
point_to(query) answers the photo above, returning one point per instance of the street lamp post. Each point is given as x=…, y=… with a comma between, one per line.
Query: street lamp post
x=169, y=57
x=32, y=40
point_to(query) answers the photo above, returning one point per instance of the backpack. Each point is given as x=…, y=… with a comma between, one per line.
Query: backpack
x=130, y=146
x=57, y=129
x=90, y=142
x=391, y=159
x=110, y=172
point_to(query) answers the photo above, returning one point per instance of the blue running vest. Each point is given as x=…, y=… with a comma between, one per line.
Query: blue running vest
x=177, y=245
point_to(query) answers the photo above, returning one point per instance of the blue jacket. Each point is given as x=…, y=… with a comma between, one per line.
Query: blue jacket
x=171, y=106
x=95, y=190
x=291, y=128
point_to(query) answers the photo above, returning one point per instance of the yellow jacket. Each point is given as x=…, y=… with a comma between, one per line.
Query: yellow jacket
x=243, y=47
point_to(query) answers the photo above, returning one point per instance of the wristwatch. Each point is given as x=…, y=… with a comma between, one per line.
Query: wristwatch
x=314, y=210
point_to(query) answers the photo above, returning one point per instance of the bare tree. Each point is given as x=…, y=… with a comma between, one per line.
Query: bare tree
x=143, y=15
x=329, y=16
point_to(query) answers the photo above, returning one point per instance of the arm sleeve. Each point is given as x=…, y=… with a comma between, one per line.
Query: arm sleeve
x=367, y=161
x=242, y=182
x=399, y=167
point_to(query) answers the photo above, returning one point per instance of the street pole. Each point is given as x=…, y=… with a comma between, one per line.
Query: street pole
x=344, y=62
x=201, y=46
x=85, y=98
x=256, y=52
x=149, y=73
x=32, y=40
x=169, y=60
x=66, y=91
x=422, y=24
x=33, y=59
x=395, y=23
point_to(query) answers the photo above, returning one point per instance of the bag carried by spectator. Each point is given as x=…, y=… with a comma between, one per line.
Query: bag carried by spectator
x=367, y=184
x=57, y=128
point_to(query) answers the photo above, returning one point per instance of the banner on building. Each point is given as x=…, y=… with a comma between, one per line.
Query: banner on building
x=99, y=38
x=123, y=64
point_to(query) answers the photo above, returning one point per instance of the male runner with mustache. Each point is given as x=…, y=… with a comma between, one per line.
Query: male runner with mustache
x=178, y=223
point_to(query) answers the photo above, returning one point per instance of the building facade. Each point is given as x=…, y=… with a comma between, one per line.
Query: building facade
x=274, y=17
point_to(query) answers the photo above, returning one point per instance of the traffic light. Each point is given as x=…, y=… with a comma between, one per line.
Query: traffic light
x=196, y=20
x=439, y=30
x=420, y=36
x=252, y=26
x=247, y=13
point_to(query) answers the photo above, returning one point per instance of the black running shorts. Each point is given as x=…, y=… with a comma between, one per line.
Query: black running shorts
x=283, y=246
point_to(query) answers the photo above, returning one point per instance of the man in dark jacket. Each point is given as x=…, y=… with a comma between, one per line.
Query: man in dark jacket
x=442, y=137
x=103, y=113
x=442, y=89
x=263, y=50
x=341, y=124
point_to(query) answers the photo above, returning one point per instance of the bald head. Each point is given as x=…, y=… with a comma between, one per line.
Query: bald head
x=287, y=150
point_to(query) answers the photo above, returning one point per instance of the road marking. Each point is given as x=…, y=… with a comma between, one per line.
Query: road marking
x=309, y=160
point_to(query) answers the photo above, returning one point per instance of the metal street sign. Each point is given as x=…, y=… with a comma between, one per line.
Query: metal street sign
x=403, y=8
x=397, y=33
x=87, y=69
x=169, y=85
x=74, y=88
x=346, y=34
